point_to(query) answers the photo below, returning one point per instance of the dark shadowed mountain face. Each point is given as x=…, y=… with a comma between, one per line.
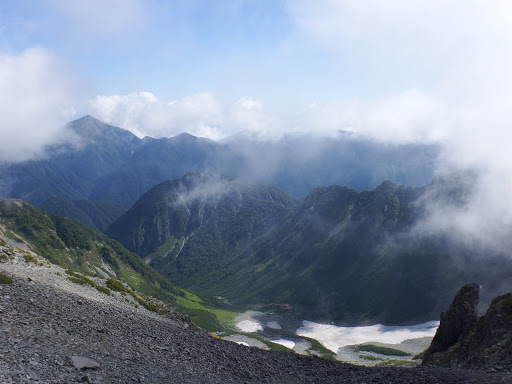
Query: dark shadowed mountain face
x=112, y=165
x=154, y=161
x=96, y=215
x=338, y=255
x=71, y=171
x=199, y=220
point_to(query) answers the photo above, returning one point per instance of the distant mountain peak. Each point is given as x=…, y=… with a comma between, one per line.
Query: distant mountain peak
x=386, y=185
x=91, y=128
x=184, y=135
x=187, y=138
x=87, y=119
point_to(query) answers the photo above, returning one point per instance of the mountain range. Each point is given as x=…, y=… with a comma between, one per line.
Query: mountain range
x=338, y=254
x=105, y=169
x=251, y=224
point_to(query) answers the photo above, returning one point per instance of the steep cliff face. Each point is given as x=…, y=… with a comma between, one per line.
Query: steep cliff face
x=457, y=323
x=465, y=340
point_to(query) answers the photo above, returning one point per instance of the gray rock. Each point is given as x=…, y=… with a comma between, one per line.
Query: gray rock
x=481, y=343
x=457, y=323
x=80, y=362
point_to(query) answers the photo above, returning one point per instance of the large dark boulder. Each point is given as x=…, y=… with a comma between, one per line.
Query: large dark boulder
x=464, y=340
x=457, y=323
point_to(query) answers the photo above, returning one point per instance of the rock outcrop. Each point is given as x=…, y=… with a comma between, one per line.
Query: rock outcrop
x=465, y=340
x=457, y=323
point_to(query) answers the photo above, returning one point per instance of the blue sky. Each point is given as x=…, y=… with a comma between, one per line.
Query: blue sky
x=397, y=70
x=178, y=48
x=171, y=48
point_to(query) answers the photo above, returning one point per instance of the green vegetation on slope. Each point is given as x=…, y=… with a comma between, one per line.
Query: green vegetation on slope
x=74, y=246
x=380, y=350
x=331, y=255
x=97, y=215
x=192, y=228
x=340, y=254
x=4, y=279
x=86, y=254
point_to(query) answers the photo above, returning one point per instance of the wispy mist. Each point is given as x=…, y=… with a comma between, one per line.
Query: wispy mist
x=35, y=95
x=455, y=54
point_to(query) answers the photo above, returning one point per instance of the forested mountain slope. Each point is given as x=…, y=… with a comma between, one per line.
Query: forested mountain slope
x=338, y=255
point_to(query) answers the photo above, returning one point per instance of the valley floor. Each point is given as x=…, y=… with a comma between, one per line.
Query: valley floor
x=43, y=324
x=344, y=343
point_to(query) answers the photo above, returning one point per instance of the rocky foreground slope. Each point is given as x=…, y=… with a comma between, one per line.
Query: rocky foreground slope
x=54, y=332
x=465, y=340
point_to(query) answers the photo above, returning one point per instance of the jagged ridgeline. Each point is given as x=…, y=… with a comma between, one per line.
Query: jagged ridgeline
x=76, y=247
x=339, y=254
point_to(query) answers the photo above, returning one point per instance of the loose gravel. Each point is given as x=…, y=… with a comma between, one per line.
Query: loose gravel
x=50, y=328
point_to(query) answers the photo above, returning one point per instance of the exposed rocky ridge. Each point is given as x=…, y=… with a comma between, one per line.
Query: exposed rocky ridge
x=465, y=340
x=457, y=323
x=50, y=335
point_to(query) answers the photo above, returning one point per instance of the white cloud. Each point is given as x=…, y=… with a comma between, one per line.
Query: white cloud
x=35, y=102
x=410, y=116
x=145, y=115
x=249, y=103
x=424, y=33
x=443, y=76
x=202, y=115
x=456, y=56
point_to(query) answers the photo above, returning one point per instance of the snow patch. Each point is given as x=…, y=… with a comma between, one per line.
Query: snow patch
x=249, y=326
x=247, y=322
x=287, y=343
x=333, y=337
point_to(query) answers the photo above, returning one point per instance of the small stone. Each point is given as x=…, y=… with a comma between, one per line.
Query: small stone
x=80, y=362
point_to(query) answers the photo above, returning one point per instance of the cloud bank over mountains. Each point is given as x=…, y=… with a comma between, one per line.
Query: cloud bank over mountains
x=410, y=116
